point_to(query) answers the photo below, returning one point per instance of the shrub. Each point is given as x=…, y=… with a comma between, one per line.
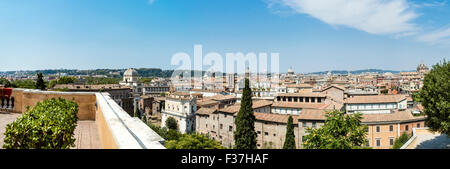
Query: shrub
x=162, y=131
x=398, y=143
x=49, y=125
x=193, y=141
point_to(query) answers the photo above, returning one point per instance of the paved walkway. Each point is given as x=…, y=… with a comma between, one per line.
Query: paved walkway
x=86, y=133
x=6, y=118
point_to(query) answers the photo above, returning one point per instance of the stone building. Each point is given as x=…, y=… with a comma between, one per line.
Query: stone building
x=182, y=107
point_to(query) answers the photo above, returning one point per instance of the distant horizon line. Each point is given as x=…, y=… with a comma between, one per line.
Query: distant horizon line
x=37, y=70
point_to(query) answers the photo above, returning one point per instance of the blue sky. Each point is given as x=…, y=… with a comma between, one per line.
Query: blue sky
x=310, y=35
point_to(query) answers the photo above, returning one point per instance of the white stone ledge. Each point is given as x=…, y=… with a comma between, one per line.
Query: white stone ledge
x=128, y=132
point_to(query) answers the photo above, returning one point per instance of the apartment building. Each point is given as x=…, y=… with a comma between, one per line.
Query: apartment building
x=182, y=107
x=375, y=104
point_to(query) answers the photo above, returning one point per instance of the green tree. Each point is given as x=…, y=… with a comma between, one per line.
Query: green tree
x=193, y=141
x=398, y=143
x=26, y=84
x=162, y=131
x=340, y=131
x=5, y=82
x=289, y=141
x=52, y=83
x=171, y=123
x=245, y=135
x=40, y=84
x=136, y=113
x=146, y=80
x=435, y=98
x=66, y=80
x=144, y=118
x=173, y=134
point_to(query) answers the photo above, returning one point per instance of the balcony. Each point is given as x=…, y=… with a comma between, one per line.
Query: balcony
x=102, y=123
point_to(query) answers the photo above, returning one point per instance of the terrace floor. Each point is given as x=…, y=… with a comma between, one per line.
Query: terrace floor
x=86, y=133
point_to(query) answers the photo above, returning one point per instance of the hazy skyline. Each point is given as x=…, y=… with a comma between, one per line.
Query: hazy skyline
x=309, y=35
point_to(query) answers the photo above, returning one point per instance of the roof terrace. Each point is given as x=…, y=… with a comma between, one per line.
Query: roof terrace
x=102, y=123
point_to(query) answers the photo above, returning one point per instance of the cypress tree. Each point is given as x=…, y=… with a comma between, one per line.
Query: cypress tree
x=40, y=84
x=136, y=113
x=289, y=141
x=245, y=135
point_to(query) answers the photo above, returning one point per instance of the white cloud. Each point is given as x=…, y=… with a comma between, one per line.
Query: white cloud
x=372, y=16
x=439, y=36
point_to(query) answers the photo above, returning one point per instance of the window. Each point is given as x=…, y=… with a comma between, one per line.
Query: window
x=378, y=129
x=391, y=128
x=214, y=126
x=406, y=127
x=221, y=126
x=230, y=128
x=391, y=141
x=206, y=125
x=266, y=133
x=418, y=125
x=312, y=100
x=306, y=99
x=313, y=125
x=301, y=99
x=304, y=124
x=378, y=142
x=319, y=100
x=274, y=134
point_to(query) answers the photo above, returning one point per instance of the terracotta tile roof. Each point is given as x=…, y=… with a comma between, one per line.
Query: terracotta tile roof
x=220, y=97
x=180, y=94
x=261, y=103
x=376, y=99
x=312, y=114
x=302, y=94
x=332, y=106
x=301, y=85
x=298, y=105
x=335, y=86
x=256, y=104
x=396, y=116
x=206, y=102
x=271, y=117
x=205, y=111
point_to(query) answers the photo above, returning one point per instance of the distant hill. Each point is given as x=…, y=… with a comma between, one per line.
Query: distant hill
x=380, y=71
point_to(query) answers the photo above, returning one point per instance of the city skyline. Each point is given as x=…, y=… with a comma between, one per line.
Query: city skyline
x=309, y=36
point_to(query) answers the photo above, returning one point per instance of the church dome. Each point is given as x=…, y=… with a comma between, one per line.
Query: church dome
x=290, y=71
x=422, y=67
x=130, y=72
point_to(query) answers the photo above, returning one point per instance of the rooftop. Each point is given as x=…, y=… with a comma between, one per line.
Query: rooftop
x=375, y=99
x=425, y=139
x=102, y=123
